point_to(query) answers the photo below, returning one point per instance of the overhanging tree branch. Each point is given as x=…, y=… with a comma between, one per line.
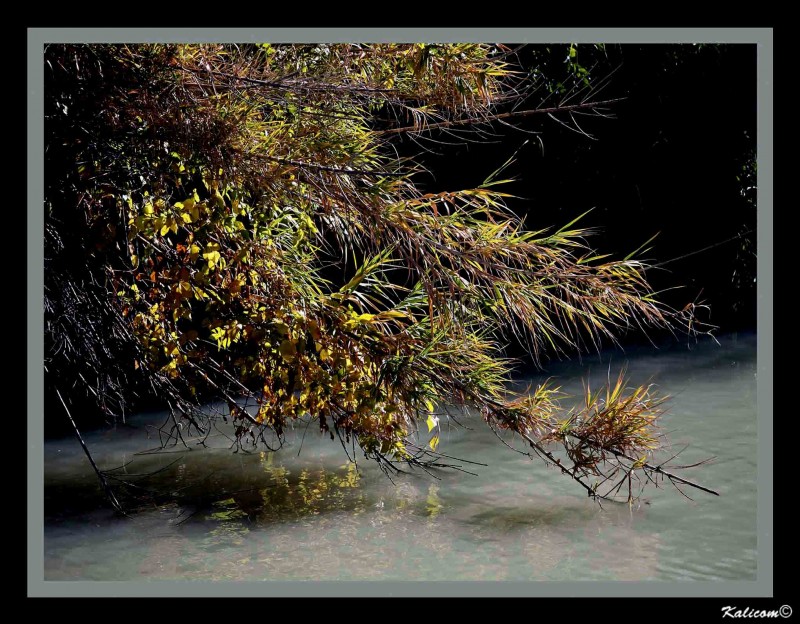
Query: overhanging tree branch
x=346, y=294
x=500, y=116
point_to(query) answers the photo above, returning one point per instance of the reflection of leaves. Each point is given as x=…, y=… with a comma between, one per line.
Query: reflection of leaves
x=351, y=480
x=228, y=515
x=228, y=528
x=311, y=492
x=224, y=503
x=229, y=510
x=225, y=534
x=433, y=503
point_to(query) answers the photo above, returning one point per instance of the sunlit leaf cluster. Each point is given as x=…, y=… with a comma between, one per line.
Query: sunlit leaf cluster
x=261, y=243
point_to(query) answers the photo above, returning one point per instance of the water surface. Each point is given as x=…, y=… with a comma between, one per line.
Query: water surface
x=313, y=516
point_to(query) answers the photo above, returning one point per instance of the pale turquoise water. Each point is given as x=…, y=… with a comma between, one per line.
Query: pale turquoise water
x=280, y=516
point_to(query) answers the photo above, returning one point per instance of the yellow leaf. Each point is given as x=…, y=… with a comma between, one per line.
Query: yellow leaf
x=431, y=407
x=164, y=229
x=187, y=218
x=434, y=442
x=212, y=257
x=148, y=208
x=431, y=422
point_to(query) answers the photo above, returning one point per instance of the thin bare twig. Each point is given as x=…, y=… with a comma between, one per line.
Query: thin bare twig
x=509, y=115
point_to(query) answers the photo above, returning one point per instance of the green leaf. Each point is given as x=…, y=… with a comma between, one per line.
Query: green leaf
x=573, y=222
x=288, y=350
x=641, y=248
x=355, y=281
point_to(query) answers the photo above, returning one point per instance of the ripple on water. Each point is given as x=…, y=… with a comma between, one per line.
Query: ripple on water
x=283, y=517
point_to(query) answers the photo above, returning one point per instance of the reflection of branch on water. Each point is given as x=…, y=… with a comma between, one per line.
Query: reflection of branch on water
x=144, y=474
x=303, y=439
x=155, y=495
x=100, y=474
x=593, y=449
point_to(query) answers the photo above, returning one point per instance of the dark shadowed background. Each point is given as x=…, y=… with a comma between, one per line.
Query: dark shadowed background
x=677, y=160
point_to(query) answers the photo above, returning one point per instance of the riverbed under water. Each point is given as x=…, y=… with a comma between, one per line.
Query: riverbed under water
x=313, y=516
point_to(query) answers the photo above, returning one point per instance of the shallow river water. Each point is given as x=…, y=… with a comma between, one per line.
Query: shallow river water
x=313, y=516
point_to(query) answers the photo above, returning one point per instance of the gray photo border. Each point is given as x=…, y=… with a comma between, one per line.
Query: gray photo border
x=37, y=587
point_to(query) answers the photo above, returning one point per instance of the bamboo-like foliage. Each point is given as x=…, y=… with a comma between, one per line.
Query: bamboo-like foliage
x=252, y=237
